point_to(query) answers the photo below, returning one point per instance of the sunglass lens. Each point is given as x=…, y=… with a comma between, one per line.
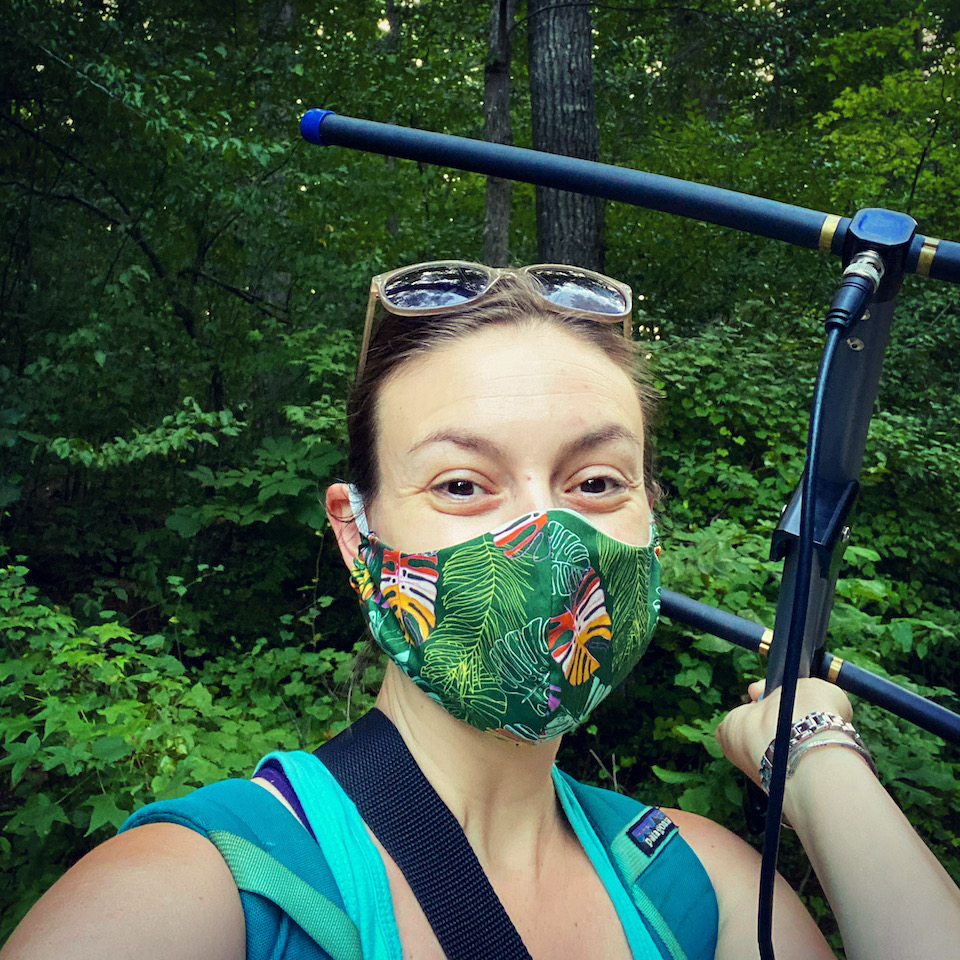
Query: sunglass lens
x=581, y=291
x=439, y=285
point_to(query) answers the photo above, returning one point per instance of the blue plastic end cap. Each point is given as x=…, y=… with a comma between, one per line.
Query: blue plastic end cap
x=310, y=125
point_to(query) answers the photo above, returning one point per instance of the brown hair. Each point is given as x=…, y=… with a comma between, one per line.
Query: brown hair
x=512, y=301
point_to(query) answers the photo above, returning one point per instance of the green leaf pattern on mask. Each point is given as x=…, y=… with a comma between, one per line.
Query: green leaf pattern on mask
x=488, y=659
x=521, y=661
x=483, y=595
x=570, y=558
x=629, y=578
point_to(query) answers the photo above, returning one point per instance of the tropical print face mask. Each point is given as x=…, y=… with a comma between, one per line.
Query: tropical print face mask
x=523, y=630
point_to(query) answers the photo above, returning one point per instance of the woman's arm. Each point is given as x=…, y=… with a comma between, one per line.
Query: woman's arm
x=890, y=895
x=157, y=891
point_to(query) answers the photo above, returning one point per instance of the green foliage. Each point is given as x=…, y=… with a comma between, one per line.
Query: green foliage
x=892, y=140
x=178, y=433
x=733, y=435
x=97, y=721
x=285, y=474
x=182, y=283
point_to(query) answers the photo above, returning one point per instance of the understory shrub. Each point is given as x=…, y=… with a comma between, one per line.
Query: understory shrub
x=97, y=721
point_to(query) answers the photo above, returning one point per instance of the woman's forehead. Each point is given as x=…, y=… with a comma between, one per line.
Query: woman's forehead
x=499, y=380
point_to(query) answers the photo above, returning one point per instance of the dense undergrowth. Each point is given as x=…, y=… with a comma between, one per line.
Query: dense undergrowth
x=182, y=285
x=124, y=693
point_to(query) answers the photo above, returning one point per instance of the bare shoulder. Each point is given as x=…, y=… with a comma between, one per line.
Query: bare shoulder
x=720, y=850
x=159, y=890
x=734, y=870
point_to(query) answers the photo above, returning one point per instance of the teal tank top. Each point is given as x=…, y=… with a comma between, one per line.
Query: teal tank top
x=329, y=898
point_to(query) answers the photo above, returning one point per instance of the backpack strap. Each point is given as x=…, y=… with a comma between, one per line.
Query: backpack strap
x=282, y=875
x=372, y=764
x=665, y=879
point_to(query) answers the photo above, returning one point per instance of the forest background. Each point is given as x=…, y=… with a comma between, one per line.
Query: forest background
x=183, y=283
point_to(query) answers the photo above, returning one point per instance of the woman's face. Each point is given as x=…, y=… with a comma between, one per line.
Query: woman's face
x=507, y=421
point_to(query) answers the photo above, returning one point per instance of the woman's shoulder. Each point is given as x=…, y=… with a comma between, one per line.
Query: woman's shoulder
x=160, y=889
x=732, y=864
x=734, y=870
x=714, y=844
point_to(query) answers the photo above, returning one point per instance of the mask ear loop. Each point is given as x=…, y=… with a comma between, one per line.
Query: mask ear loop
x=356, y=505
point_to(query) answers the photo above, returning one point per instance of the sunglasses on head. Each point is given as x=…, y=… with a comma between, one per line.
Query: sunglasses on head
x=441, y=286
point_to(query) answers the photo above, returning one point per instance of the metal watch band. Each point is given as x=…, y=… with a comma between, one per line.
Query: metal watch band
x=802, y=730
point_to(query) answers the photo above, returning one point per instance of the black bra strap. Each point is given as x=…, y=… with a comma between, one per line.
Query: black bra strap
x=373, y=765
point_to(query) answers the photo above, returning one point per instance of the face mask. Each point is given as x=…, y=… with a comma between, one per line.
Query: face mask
x=523, y=630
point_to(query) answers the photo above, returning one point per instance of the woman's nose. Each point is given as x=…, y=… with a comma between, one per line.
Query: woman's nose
x=536, y=495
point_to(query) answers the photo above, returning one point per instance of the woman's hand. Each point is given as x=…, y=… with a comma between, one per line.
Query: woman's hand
x=747, y=730
x=890, y=896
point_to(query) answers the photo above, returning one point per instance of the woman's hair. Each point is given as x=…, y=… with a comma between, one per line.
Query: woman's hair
x=513, y=301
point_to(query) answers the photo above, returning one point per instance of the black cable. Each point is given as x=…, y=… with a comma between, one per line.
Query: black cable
x=860, y=280
x=798, y=622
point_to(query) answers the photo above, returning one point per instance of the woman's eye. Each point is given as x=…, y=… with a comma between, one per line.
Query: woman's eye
x=597, y=485
x=460, y=488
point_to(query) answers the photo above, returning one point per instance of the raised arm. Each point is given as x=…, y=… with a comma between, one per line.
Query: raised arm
x=890, y=895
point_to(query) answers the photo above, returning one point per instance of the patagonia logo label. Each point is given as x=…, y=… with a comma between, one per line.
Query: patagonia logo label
x=652, y=830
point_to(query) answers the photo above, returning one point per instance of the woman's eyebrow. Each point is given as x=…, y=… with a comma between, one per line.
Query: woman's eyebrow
x=609, y=433
x=466, y=441
x=596, y=437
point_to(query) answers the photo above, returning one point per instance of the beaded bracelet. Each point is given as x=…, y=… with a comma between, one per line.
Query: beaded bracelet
x=801, y=731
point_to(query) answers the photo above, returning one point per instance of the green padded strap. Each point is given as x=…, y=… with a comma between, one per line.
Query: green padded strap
x=255, y=871
x=653, y=916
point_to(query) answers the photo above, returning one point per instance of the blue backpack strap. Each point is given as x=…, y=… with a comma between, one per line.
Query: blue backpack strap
x=292, y=906
x=351, y=855
x=663, y=875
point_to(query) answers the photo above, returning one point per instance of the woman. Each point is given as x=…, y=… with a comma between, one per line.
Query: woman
x=498, y=450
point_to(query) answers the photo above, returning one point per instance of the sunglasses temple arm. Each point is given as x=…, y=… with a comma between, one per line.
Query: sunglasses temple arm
x=367, y=328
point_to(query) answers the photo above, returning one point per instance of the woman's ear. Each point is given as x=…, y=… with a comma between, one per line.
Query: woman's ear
x=345, y=529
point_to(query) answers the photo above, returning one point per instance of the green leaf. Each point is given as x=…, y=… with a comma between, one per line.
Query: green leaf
x=185, y=520
x=204, y=474
x=9, y=492
x=697, y=800
x=111, y=749
x=902, y=633
x=672, y=776
x=313, y=514
x=105, y=813
x=40, y=813
x=863, y=553
x=199, y=696
x=22, y=755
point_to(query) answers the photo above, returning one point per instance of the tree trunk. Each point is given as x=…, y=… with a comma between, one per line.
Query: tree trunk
x=392, y=45
x=569, y=225
x=498, y=129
